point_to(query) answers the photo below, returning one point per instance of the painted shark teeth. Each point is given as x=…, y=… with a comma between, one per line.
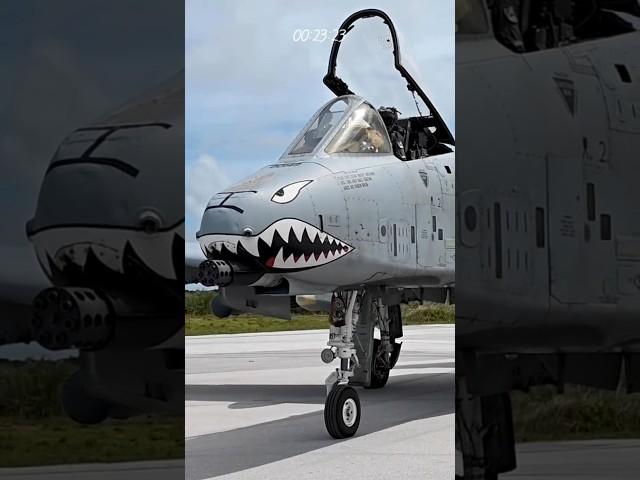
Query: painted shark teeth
x=70, y=246
x=250, y=244
x=288, y=244
x=298, y=229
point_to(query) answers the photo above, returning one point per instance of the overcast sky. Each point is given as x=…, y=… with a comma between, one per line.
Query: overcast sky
x=250, y=87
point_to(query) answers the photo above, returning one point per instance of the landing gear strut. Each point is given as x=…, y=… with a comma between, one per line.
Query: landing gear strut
x=364, y=361
x=342, y=406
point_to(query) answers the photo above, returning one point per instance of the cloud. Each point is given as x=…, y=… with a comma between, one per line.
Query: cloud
x=203, y=178
x=250, y=84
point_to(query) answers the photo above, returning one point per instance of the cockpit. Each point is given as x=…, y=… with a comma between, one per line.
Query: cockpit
x=350, y=125
x=322, y=123
x=345, y=125
x=362, y=132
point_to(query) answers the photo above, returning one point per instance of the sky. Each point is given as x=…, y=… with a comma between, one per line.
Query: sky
x=250, y=87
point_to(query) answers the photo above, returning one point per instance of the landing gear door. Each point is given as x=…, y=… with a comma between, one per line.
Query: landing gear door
x=364, y=52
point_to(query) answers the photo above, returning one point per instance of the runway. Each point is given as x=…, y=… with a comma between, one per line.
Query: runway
x=254, y=410
x=593, y=459
x=154, y=470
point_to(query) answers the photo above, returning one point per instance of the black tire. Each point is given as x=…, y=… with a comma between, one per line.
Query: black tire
x=379, y=374
x=336, y=415
x=79, y=405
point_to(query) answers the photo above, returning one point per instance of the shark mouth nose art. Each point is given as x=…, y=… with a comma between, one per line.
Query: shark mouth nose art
x=288, y=244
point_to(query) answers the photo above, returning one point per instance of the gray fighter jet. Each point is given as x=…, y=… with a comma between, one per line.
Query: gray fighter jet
x=548, y=109
x=356, y=215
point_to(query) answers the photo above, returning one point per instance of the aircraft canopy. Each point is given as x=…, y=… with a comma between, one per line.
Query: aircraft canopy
x=344, y=125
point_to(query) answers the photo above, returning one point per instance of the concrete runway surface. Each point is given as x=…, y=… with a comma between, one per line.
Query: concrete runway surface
x=592, y=459
x=157, y=470
x=254, y=410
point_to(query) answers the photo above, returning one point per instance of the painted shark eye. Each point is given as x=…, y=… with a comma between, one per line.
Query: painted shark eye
x=290, y=192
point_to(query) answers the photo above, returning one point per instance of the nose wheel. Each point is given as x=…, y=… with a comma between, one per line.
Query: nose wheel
x=342, y=411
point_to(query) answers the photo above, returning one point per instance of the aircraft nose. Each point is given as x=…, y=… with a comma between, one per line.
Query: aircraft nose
x=85, y=195
x=219, y=219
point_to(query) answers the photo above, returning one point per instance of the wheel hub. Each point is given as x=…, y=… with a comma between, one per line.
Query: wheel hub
x=349, y=412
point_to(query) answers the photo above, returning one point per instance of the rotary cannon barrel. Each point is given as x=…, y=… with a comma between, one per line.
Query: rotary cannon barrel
x=215, y=273
x=219, y=273
x=71, y=317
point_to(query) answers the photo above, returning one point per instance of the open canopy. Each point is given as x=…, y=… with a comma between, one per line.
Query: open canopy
x=337, y=85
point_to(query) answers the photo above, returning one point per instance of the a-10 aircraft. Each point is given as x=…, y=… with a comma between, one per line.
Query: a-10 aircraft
x=548, y=241
x=103, y=273
x=358, y=212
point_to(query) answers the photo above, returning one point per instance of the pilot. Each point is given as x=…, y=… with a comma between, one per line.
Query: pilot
x=375, y=139
x=397, y=134
x=366, y=138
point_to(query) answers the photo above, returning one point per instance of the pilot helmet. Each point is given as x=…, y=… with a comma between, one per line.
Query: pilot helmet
x=389, y=116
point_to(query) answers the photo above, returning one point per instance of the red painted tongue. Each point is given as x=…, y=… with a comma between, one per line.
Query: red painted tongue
x=270, y=262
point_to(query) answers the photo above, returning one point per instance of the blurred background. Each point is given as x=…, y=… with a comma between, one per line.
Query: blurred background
x=70, y=66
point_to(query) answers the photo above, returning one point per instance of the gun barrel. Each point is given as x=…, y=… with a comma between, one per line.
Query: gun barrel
x=219, y=273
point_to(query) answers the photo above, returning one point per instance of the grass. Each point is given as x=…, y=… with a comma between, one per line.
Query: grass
x=198, y=302
x=34, y=430
x=57, y=440
x=580, y=413
x=199, y=320
x=210, y=324
x=415, y=314
x=29, y=390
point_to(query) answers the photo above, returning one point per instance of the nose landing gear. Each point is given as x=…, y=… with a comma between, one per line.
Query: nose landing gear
x=342, y=406
x=364, y=360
